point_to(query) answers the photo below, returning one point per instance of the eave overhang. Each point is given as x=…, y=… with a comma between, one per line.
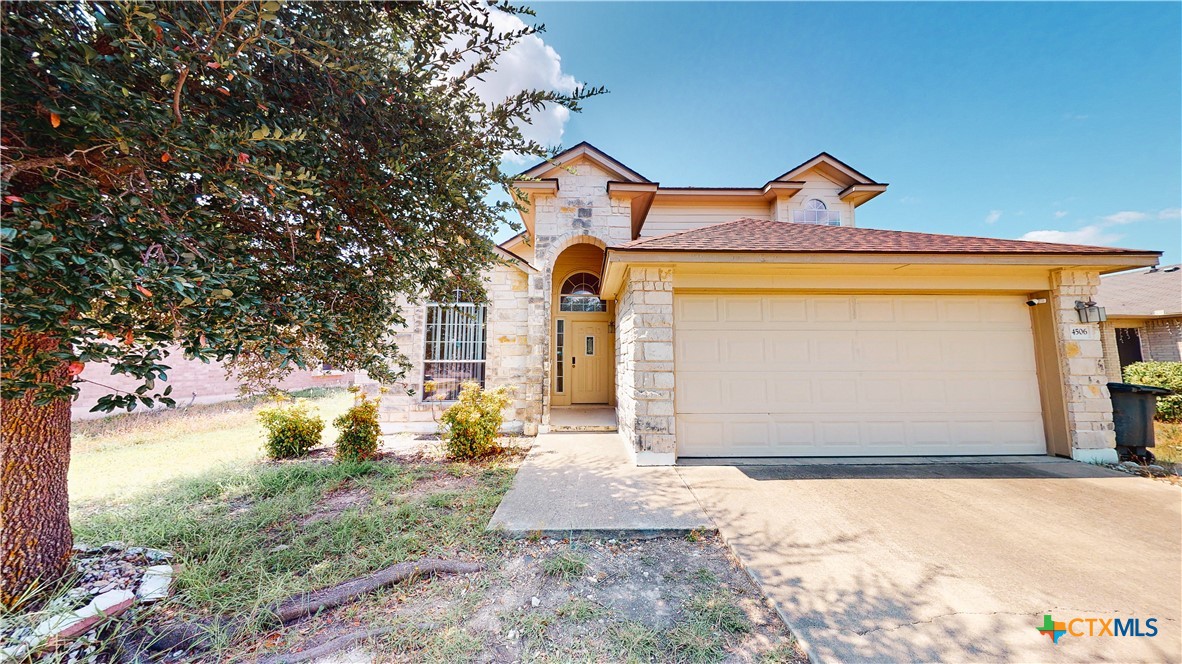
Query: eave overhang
x=532, y=189
x=616, y=261
x=640, y=196
x=858, y=194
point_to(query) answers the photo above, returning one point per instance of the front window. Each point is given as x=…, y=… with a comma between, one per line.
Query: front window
x=580, y=292
x=816, y=212
x=455, y=349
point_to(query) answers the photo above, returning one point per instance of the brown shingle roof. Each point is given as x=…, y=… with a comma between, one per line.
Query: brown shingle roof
x=761, y=235
x=1143, y=292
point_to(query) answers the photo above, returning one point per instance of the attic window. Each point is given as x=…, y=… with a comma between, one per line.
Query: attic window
x=816, y=212
x=580, y=292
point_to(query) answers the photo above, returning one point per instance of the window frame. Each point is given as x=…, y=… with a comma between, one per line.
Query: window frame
x=562, y=297
x=811, y=214
x=478, y=346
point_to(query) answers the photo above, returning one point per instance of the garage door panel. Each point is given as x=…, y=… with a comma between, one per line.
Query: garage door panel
x=794, y=375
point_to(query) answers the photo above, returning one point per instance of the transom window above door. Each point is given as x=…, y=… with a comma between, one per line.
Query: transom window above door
x=580, y=292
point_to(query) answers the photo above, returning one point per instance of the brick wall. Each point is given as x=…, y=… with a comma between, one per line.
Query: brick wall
x=644, y=365
x=1161, y=340
x=192, y=381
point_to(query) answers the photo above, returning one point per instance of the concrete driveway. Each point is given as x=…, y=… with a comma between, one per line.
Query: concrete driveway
x=956, y=562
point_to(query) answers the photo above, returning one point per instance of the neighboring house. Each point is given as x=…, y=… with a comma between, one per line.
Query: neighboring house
x=192, y=381
x=1144, y=317
x=761, y=321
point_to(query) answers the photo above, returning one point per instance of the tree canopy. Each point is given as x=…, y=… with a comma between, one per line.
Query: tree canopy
x=222, y=176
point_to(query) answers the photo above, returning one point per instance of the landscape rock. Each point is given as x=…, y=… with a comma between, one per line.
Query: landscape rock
x=156, y=583
x=1157, y=471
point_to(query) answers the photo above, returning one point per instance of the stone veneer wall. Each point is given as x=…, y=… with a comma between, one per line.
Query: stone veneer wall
x=581, y=212
x=511, y=359
x=644, y=365
x=1111, y=356
x=1085, y=377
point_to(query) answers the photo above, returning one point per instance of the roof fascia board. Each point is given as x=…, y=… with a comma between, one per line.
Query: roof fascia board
x=832, y=161
x=1103, y=262
x=591, y=152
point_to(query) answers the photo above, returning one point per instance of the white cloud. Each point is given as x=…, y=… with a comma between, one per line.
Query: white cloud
x=1125, y=217
x=1170, y=213
x=529, y=64
x=993, y=216
x=1094, y=234
x=1059, y=214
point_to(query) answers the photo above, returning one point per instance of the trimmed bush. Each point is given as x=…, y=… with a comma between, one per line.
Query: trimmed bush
x=470, y=425
x=358, y=440
x=292, y=430
x=1160, y=374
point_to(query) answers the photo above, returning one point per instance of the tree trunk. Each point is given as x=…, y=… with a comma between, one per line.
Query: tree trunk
x=35, y=535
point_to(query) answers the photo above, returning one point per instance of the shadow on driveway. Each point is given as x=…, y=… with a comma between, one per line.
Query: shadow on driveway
x=955, y=562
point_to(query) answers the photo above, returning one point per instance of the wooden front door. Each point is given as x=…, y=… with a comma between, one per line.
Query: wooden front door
x=590, y=363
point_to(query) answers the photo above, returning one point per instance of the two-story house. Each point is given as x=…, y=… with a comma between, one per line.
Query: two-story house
x=762, y=321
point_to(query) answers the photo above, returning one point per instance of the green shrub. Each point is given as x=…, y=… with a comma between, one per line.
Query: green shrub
x=1160, y=374
x=470, y=425
x=292, y=429
x=358, y=440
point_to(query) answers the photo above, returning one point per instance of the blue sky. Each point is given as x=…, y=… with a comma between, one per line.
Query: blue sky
x=986, y=118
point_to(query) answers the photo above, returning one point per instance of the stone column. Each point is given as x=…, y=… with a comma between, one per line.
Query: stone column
x=1081, y=361
x=644, y=365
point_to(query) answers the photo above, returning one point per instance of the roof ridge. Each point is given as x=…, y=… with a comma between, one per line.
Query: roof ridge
x=640, y=241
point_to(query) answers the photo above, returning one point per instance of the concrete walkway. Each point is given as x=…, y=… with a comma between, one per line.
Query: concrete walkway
x=574, y=484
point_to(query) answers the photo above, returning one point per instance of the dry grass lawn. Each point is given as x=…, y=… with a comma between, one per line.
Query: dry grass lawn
x=120, y=456
x=1168, y=437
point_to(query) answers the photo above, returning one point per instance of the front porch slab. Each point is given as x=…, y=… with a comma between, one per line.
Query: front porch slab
x=585, y=484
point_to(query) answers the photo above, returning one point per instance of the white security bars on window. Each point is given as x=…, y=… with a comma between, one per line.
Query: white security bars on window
x=455, y=349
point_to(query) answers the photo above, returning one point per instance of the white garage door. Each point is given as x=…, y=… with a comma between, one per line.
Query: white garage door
x=873, y=375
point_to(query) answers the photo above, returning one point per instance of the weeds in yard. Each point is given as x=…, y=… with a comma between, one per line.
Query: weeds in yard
x=565, y=565
x=705, y=576
x=250, y=537
x=634, y=642
x=718, y=611
x=1168, y=440
x=529, y=624
x=787, y=652
x=580, y=609
x=451, y=644
x=695, y=641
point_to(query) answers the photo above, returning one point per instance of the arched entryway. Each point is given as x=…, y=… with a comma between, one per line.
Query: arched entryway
x=582, y=335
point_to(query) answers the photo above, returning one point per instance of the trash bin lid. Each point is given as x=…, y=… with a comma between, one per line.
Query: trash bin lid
x=1142, y=389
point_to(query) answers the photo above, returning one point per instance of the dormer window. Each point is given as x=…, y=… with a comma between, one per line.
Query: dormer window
x=580, y=292
x=816, y=212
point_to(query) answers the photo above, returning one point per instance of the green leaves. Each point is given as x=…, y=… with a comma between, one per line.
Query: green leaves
x=290, y=214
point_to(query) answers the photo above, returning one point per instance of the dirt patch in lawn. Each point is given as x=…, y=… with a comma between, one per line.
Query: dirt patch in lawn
x=659, y=600
x=336, y=502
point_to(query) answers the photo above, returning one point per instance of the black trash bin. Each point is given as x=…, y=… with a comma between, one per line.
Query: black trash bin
x=1133, y=407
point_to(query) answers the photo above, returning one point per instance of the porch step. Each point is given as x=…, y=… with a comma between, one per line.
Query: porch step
x=568, y=428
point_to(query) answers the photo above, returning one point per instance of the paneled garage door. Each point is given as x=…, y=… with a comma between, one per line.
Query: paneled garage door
x=873, y=375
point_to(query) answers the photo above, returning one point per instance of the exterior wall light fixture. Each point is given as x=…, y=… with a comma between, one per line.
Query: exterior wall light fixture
x=1090, y=313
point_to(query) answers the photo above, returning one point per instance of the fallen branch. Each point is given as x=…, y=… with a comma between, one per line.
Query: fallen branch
x=297, y=607
x=199, y=634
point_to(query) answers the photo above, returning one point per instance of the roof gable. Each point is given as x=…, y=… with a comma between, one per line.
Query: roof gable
x=830, y=167
x=584, y=150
